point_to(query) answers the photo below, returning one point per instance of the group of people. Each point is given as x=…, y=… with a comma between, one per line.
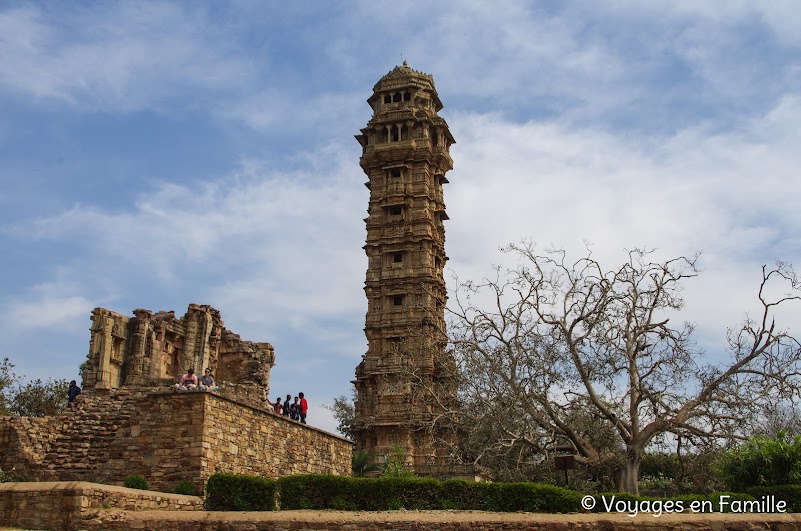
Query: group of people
x=190, y=381
x=295, y=410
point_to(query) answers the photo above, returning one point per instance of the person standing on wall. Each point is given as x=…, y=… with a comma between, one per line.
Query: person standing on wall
x=287, y=403
x=72, y=392
x=304, y=407
x=276, y=405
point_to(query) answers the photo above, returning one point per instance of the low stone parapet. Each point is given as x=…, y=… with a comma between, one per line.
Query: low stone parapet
x=437, y=520
x=66, y=505
x=81, y=505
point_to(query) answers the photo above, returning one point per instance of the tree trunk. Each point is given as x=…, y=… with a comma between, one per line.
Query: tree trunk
x=631, y=471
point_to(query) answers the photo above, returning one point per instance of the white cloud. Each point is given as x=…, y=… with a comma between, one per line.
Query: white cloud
x=48, y=306
x=729, y=196
x=268, y=247
x=120, y=56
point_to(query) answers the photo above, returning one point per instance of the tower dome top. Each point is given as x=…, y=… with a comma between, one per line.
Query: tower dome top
x=404, y=71
x=403, y=76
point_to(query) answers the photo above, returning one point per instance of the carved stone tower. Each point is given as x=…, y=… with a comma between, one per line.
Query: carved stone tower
x=404, y=382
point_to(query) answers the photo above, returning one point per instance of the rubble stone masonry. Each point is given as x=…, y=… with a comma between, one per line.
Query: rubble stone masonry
x=168, y=437
x=67, y=505
x=87, y=506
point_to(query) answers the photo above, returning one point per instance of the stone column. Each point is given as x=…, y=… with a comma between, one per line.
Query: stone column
x=134, y=365
x=104, y=347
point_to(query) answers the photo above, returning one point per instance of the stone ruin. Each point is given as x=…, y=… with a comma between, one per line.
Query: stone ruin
x=155, y=349
x=129, y=419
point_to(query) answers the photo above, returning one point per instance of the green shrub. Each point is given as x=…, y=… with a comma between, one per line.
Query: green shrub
x=11, y=476
x=135, y=482
x=185, y=487
x=556, y=499
x=311, y=491
x=459, y=494
x=231, y=492
x=395, y=464
x=761, y=462
x=389, y=493
x=791, y=494
x=362, y=463
x=246, y=493
x=526, y=497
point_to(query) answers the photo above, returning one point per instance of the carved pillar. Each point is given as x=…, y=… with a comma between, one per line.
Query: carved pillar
x=134, y=373
x=104, y=347
x=190, y=339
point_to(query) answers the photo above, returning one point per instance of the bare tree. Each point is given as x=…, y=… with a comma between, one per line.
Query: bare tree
x=575, y=353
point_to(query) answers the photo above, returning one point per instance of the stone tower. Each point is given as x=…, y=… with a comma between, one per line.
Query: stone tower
x=404, y=381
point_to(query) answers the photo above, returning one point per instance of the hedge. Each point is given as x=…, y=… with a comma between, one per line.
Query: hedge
x=226, y=492
x=247, y=493
x=231, y=492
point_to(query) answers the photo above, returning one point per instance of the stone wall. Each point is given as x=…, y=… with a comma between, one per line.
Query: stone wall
x=168, y=437
x=162, y=442
x=54, y=505
x=240, y=439
x=25, y=441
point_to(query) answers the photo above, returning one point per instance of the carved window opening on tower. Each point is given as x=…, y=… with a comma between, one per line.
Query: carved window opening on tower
x=395, y=210
x=396, y=174
x=404, y=133
x=394, y=134
x=397, y=300
x=397, y=257
x=387, y=99
x=407, y=96
x=396, y=97
x=435, y=139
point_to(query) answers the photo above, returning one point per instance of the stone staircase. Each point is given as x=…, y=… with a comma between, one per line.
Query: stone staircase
x=82, y=445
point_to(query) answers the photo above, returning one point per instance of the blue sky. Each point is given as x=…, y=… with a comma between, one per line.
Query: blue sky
x=156, y=154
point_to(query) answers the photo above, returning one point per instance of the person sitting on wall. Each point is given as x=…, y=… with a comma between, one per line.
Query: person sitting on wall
x=286, y=406
x=276, y=405
x=294, y=410
x=72, y=392
x=207, y=382
x=304, y=408
x=188, y=381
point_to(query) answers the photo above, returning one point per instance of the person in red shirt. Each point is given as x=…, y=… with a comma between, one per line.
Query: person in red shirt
x=304, y=407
